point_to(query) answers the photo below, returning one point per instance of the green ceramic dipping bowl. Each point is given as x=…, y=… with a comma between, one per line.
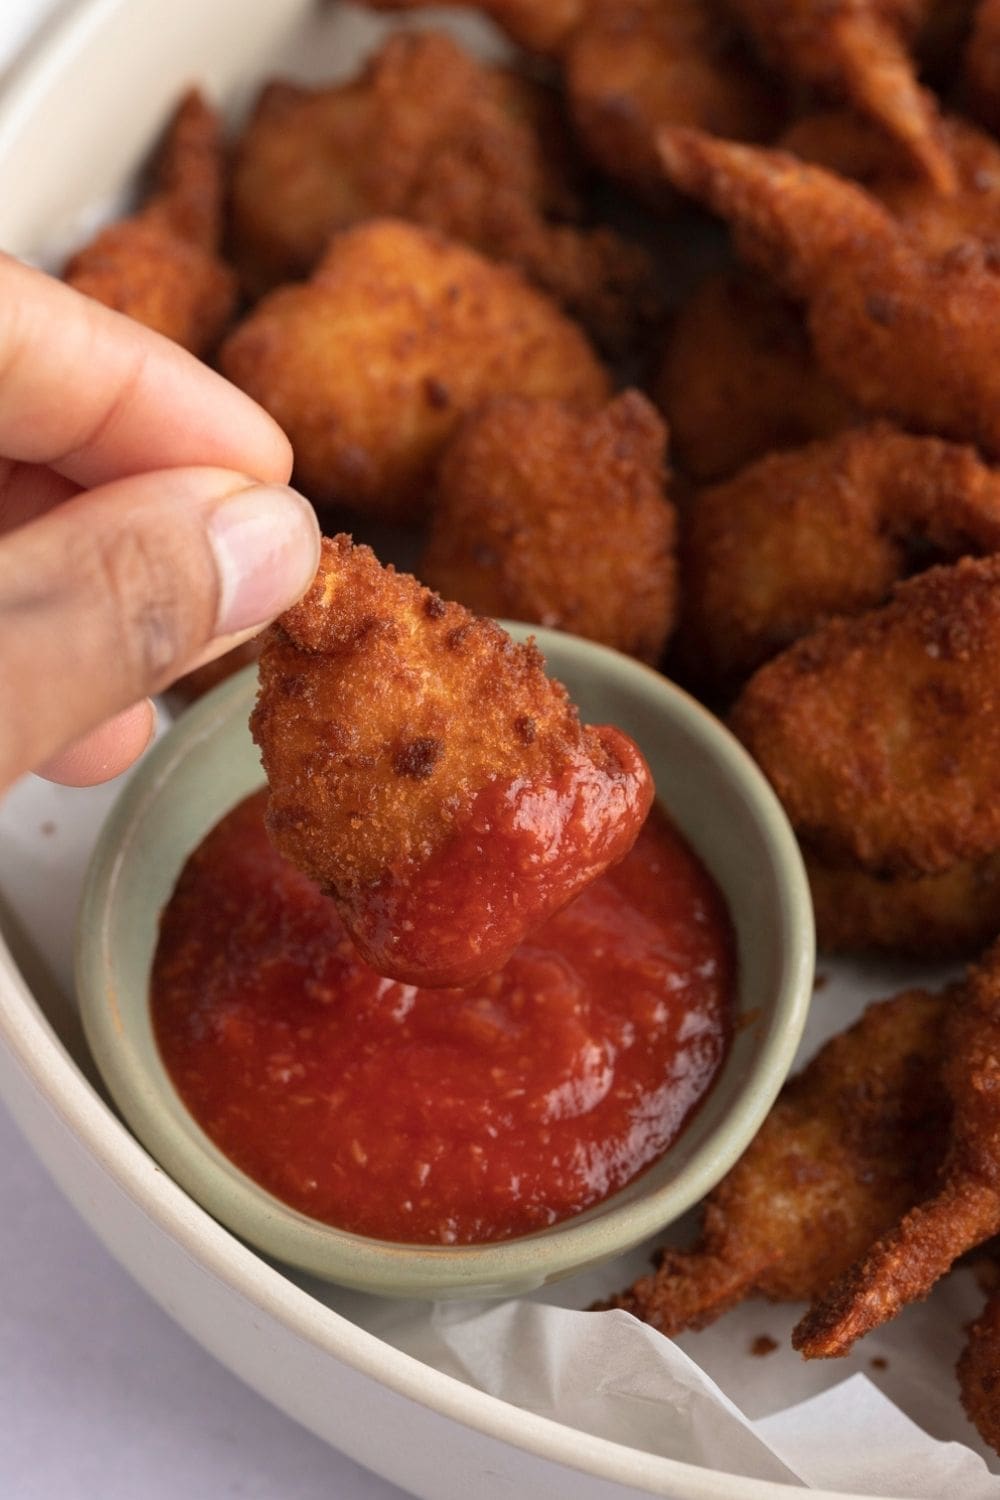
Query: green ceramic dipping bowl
x=720, y=801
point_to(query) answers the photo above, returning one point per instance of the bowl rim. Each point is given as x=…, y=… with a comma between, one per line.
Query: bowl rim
x=499, y=1268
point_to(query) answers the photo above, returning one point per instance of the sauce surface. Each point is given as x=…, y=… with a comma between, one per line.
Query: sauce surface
x=444, y=1116
x=521, y=853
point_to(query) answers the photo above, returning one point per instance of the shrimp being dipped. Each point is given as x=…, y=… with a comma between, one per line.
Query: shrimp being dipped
x=429, y=776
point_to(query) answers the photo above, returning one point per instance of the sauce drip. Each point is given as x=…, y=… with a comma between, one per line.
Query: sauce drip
x=523, y=850
x=444, y=1116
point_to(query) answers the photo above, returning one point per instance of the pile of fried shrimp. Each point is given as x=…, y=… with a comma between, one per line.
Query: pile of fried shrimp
x=468, y=292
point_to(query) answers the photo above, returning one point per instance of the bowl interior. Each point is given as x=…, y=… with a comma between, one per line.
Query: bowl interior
x=717, y=797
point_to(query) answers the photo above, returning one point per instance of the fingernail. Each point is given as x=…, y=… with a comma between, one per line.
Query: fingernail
x=266, y=544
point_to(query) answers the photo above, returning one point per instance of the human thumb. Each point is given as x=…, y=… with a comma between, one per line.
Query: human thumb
x=110, y=596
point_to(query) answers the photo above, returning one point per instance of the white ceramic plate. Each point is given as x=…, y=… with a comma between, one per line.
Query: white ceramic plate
x=75, y=121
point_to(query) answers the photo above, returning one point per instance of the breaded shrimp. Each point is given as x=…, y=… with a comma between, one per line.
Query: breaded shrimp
x=906, y=332
x=370, y=366
x=635, y=66
x=430, y=133
x=962, y=1211
x=425, y=772
x=820, y=531
x=951, y=915
x=856, y=50
x=162, y=266
x=739, y=379
x=850, y=1144
x=881, y=733
x=545, y=515
x=940, y=223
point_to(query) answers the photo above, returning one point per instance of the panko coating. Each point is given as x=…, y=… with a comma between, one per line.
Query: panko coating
x=906, y=332
x=849, y=1145
x=562, y=519
x=428, y=132
x=856, y=50
x=951, y=915
x=161, y=266
x=635, y=66
x=542, y=26
x=739, y=379
x=820, y=531
x=370, y=365
x=425, y=772
x=880, y=733
x=941, y=223
x=962, y=1209
x=978, y=1371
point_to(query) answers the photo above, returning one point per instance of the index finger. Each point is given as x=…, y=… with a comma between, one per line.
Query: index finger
x=98, y=397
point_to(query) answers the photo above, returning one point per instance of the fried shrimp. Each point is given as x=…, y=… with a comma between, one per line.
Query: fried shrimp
x=941, y=223
x=850, y=1144
x=905, y=331
x=820, y=531
x=963, y=1209
x=429, y=133
x=162, y=266
x=428, y=775
x=739, y=379
x=370, y=366
x=524, y=490
x=856, y=50
x=633, y=67
x=881, y=733
x=951, y=915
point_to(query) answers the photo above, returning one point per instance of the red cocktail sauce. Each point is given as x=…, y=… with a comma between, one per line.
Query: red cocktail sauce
x=441, y=1116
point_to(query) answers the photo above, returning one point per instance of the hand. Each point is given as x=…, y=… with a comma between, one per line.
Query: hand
x=145, y=527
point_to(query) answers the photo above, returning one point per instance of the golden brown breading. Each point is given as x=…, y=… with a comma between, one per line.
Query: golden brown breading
x=634, y=66
x=881, y=733
x=545, y=515
x=739, y=379
x=370, y=365
x=978, y=1371
x=939, y=222
x=428, y=775
x=161, y=266
x=542, y=26
x=849, y=1145
x=820, y=531
x=856, y=50
x=906, y=332
x=429, y=133
x=964, y=1208
x=982, y=65
x=951, y=915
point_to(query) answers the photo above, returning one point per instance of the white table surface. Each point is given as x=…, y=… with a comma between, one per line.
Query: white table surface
x=101, y=1396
